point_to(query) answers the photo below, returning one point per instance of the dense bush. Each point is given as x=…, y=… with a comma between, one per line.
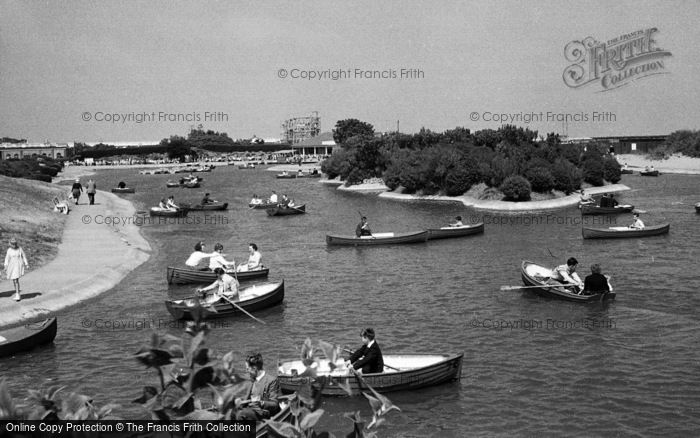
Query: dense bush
x=567, y=177
x=593, y=172
x=611, y=170
x=685, y=142
x=338, y=164
x=540, y=179
x=662, y=152
x=516, y=188
x=501, y=168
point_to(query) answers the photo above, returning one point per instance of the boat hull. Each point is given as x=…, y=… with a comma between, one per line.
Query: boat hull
x=446, y=233
x=286, y=211
x=288, y=176
x=378, y=239
x=622, y=232
x=182, y=309
x=589, y=209
x=28, y=336
x=438, y=369
x=124, y=190
x=193, y=276
x=531, y=271
x=626, y=171
x=649, y=173
x=263, y=206
x=181, y=212
x=210, y=207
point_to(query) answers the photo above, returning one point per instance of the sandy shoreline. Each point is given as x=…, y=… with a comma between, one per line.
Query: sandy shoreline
x=92, y=258
x=674, y=164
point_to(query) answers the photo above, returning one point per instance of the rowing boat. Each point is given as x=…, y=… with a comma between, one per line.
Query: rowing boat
x=649, y=173
x=27, y=337
x=187, y=275
x=537, y=275
x=168, y=212
x=263, y=206
x=446, y=232
x=172, y=184
x=591, y=209
x=263, y=429
x=623, y=232
x=404, y=372
x=286, y=175
x=256, y=297
x=626, y=171
x=286, y=211
x=214, y=206
x=191, y=185
x=123, y=190
x=378, y=239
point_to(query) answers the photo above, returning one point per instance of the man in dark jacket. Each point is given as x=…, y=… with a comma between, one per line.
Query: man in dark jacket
x=596, y=283
x=262, y=399
x=368, y=358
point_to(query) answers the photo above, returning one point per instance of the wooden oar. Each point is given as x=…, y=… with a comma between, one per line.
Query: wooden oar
x=242, y=309
x=388, y=366
x=542, y=286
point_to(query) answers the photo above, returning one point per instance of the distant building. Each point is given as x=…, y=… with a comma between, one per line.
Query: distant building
x=322, y=144
x=33, y=150
x=298, y=129
x=633, y=144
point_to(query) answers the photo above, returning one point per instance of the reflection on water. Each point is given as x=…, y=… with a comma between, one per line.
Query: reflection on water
x=531, y=365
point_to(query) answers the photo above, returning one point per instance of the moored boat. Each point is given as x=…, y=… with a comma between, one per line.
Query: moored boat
x=168, y=212
x=378, y=238
x=27, y=337
x=123, y=190
x=624, y=232
x=191, y=185
x=171, y=184
x=401, y=372
x=187, y=275
x=626, y=171
x=253, y=298
x=286, y=211
x=649, y=173
x=591, y=209
x=447, y=232
x=538, y=275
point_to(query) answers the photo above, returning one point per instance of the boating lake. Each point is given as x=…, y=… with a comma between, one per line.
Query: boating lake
x=532, y=366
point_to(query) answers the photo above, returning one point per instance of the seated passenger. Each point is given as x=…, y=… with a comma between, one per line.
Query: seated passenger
x=262, y=401
x=291, y=203
x=596, y=283
x=162, y=204
x=586, y=198
x=368, y=358
x=206, y=200
x=256, y=200
x=254, y=260
x=121, y=185
x=171, y=203
x=637, y=224
x=362, y=228
x=457, y=222
x=197, y=256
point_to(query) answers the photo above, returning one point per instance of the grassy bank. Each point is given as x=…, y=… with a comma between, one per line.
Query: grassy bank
x=28, y=215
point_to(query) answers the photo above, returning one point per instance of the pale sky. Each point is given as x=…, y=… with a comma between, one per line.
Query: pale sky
x=61, y=59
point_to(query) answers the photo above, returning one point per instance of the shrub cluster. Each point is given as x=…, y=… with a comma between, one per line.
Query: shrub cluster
x=455, y=160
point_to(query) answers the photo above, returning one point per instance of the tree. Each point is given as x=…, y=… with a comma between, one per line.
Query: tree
x=348, y=128
x=178, y=148
x=516, y=188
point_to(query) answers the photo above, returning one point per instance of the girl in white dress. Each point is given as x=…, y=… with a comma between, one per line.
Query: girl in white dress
x=15, y=263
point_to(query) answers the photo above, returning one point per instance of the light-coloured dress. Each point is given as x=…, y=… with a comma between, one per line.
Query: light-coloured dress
x=15, y=261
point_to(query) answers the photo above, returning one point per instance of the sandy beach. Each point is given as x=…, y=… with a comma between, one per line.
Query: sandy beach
x=92, y=258
x=674, y=164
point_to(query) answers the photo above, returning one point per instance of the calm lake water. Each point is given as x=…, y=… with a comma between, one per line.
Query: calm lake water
x=532, y=366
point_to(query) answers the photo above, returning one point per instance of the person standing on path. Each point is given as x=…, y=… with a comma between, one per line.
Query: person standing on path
x=91, y=190
x=15, y=264
x=76, y=190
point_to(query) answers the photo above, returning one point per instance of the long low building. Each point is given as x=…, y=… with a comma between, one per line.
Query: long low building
x=33, y=150
x=322, y=144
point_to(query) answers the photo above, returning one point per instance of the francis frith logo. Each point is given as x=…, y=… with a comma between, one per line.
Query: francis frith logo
x=616, y=62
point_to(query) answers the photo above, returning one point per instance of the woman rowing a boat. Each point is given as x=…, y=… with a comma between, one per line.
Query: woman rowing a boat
x=225, y=285
x=217, y=259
